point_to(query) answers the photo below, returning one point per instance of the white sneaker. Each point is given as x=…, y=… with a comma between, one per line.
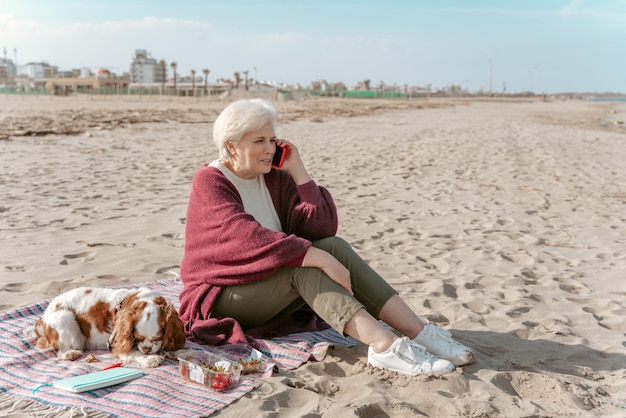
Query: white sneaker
x=406, y=356
x=440, y=343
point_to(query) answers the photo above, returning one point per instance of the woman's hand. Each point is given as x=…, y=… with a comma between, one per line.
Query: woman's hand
x=293, y=163
x=328, y=264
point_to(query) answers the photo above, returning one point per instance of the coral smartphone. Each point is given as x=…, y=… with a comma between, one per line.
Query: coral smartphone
x=279, y=157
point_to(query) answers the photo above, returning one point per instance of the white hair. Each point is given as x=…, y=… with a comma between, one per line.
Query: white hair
x=239, y=118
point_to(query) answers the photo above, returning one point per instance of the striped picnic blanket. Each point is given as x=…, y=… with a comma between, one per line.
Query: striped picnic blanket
x=161, y=392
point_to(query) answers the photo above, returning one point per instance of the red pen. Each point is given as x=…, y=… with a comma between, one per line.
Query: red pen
x=113, y=366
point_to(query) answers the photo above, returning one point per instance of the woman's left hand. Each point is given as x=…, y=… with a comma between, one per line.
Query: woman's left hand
x=337, y=272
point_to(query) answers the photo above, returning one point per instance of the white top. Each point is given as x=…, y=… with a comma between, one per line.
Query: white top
x=256, y=198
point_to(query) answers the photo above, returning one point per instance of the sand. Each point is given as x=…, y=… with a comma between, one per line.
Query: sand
x=501, y=220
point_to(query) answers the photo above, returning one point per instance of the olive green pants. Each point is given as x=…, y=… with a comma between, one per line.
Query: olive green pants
x=290, y=288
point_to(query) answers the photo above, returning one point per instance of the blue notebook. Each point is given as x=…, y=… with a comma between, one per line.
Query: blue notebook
x=97, y=380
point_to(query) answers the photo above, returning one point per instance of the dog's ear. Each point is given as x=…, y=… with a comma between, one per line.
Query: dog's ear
x=174, y=337
x=47, y=337
x=122, y=339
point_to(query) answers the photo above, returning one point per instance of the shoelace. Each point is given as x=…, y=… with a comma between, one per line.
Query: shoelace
x=445, y=335
x=451, y=345
x=411, y=352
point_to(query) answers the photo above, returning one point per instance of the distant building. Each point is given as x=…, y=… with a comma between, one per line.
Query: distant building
x=37, y=70
x=65, y=74
x=104, y=73
x=7, y=69
x=92, y=85
x=145, y=70
x=83, y=72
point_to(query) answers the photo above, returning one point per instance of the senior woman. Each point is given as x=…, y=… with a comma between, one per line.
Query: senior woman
x=260, y=246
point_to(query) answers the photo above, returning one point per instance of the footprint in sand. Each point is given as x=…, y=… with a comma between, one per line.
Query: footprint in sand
x=609, y=257
x=163, y=270
x=14, y=287
x=529, y=274
x=504, y=382
x=505, y=221
x=473, y=285
x=15, y=268
x=593, y=312
x=166, y=236
x=608, y=321
x=539, y=298
x=450, y=291
x=478, y=308
x=78, y=258
x=518, y=257
x=109, y=277
x=573, y=286
x=515, y=313
x=172, y=239
x=370, y=411
x=317, y=384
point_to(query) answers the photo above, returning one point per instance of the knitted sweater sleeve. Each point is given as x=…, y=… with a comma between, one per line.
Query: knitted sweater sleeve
x=307, y=210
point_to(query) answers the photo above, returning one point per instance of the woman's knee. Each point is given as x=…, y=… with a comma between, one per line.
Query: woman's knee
x=332, y=244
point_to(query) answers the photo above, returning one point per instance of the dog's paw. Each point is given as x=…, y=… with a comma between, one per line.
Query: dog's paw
x=150, y=360
x=173, y=355
x=70, y=354
x=29, y=332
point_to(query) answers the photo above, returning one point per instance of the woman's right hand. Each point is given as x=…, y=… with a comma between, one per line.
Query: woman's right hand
x=293, y=163
x=330, y=265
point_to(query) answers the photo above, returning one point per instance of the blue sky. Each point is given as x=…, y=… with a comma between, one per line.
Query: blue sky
x=531, y=45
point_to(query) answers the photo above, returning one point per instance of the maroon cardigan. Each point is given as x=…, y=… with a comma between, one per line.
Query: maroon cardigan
x=225, y=246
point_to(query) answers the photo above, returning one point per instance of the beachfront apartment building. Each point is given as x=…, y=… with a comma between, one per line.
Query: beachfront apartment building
x=146, y=70
x=36, y=70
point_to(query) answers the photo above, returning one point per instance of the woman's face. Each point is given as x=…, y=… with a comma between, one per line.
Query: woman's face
x=253, y=154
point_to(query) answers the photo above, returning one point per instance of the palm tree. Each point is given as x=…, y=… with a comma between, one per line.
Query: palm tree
x=206, y=79
x=173, y=65
x=339, y=88
x=193, y=83
x=162, y=64
x=237, y=80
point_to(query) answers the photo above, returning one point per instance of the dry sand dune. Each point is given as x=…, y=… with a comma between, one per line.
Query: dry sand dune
x=502, y=221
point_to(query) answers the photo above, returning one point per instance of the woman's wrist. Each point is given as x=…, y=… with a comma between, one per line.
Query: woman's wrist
x=314, y=257
x=300, y=176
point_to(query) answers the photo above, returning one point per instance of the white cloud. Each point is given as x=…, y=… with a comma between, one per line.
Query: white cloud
x=287, y=38
x=567, y=10
x=110, y=43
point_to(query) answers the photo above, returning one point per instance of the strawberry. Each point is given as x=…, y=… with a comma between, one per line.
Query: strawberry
x=221, y=382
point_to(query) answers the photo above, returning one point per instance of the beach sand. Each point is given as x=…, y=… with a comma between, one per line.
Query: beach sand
x=501, y=220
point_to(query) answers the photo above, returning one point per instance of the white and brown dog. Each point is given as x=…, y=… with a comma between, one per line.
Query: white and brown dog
x=137, y=325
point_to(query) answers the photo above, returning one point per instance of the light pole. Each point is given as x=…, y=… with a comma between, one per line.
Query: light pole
x=245, y=74
x=490, y=77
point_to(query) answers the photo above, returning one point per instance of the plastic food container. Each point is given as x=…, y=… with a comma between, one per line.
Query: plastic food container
x=250, y=359
x=209, y=369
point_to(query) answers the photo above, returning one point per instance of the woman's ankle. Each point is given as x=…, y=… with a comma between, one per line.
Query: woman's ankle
x=382, y=345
